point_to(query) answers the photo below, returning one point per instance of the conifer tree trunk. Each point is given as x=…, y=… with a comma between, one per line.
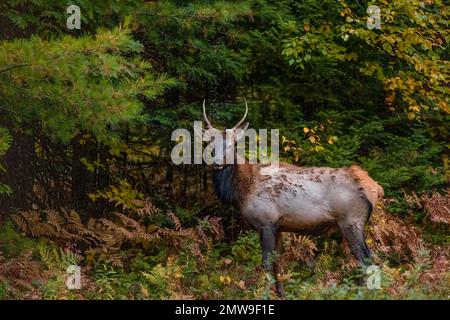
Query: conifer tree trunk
x=83, y=180
x=19, y=175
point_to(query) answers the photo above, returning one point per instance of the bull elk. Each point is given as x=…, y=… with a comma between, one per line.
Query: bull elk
x=306, y=200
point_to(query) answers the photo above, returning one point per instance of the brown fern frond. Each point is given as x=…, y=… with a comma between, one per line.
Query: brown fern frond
x=301, y=248
x=175, y=220
x=146, y=208
x=437, y=207
x=392, y=236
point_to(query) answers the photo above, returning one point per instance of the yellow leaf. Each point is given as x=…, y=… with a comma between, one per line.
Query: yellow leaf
x=305, y=130
x=318, y=148
x=241, y=284
x=411, y=115
x=144, y=291
x=414, y=108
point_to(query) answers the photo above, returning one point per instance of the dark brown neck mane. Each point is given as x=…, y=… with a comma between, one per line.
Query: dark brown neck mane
x=233, y=182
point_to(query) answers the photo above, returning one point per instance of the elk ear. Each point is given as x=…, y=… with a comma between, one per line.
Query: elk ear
x=202, y=134
x=240, y=132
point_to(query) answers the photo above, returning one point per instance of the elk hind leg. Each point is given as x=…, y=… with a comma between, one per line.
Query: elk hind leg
x=277, y=266
x=354, y=235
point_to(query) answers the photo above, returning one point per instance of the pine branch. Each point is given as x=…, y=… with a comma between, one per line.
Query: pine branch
x=13, y=67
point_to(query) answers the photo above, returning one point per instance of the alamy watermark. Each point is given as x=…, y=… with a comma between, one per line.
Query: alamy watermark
x=374, y=19
x=225, y=147
x=374, y=278
x=74, y=20
x=73, y=281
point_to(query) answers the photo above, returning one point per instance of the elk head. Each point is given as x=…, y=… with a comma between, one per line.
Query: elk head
x=227, y=138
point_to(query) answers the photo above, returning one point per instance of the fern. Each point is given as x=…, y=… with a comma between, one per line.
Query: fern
x=107, y=236
x=55, y=257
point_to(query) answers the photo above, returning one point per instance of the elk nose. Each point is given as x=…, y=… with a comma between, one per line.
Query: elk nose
x=218, y=166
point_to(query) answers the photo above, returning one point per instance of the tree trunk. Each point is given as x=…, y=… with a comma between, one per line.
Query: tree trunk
x=19, y=175
x=83, y=180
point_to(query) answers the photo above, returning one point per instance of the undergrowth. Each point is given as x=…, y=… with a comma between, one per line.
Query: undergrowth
x=129, y=257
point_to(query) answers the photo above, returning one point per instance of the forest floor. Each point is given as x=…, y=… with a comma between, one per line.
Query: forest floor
x=197, y=262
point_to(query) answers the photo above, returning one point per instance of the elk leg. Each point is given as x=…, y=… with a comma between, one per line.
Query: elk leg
x=358, y=246
x=271, y=243
x=277, y=266
x=268, y=247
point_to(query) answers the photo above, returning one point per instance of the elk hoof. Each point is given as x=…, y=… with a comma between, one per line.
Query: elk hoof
x=280, y=290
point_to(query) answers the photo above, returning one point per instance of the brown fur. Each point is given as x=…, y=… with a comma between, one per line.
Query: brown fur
x=374, y=192
x=244, y=180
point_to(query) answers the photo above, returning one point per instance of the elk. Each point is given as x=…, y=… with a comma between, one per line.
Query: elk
x=289, y=198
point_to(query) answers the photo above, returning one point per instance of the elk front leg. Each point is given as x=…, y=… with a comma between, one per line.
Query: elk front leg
x=268, y=239
x=271, y=250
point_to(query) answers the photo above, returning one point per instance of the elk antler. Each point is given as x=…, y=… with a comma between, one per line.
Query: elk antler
x=243, y=118
x=208, y=124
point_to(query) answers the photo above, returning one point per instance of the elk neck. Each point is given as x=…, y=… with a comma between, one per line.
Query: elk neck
x=224, y=183
x=233, y=182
